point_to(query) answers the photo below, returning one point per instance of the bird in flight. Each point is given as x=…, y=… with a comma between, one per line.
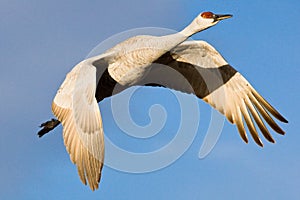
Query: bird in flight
x=169, y=61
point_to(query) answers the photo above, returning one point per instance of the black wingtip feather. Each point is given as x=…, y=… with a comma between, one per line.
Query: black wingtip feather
x=262, y=110
x=284, y=120
x=269, y=107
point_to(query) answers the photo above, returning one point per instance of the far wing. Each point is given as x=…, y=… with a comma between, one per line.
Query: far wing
x=76, y=108
x=196, y=67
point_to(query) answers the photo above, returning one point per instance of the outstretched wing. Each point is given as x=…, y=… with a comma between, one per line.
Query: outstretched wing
x=76, y=108
x=196, y=67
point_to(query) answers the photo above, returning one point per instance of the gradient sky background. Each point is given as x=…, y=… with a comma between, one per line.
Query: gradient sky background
x=42, y=40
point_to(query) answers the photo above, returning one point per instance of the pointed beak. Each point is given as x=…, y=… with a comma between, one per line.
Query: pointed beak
x=221, y=17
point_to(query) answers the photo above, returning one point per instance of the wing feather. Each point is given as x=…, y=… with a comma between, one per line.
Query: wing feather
x=76, y=107
x=259, y=121
x=240, y=125
x=266, y=115
x=196, y=67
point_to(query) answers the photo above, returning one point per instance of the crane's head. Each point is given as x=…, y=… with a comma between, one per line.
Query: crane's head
x=207, y=19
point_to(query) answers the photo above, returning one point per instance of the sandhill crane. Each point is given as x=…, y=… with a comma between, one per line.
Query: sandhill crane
x=129, y=63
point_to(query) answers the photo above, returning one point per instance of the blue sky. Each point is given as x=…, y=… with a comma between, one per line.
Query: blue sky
x=42, y=41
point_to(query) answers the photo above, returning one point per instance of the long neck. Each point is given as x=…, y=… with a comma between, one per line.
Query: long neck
x=193, y=28
x=164, y=43
x=170, y=41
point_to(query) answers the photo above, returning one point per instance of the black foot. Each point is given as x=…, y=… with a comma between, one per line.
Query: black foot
x=48, y=126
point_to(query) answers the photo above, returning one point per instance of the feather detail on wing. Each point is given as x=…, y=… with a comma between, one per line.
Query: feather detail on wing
x=196, y=67
x=76, y=107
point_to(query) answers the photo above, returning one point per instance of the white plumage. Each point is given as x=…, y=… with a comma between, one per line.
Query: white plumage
x=143, y=60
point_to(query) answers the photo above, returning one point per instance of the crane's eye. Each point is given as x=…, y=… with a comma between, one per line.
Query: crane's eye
x=207, y=15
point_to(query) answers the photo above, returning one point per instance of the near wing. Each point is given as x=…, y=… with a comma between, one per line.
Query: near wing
x=196, y=67
x=76, y=108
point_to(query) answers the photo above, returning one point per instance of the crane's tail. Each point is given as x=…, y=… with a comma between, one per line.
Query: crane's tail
x=48, y=126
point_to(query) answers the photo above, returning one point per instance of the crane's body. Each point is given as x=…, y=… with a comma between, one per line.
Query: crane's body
x=137, y=58
x=194, y=67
